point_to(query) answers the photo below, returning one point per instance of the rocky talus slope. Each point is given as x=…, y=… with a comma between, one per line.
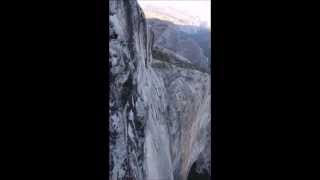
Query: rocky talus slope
x=159, y=103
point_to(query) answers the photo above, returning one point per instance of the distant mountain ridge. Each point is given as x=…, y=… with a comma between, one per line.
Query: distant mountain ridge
x=193, y=46
x=173, y=15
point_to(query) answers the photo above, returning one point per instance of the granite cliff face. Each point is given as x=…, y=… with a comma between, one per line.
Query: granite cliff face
x=159, y=103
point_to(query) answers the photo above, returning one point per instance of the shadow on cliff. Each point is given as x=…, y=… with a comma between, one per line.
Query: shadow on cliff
x=194, y=175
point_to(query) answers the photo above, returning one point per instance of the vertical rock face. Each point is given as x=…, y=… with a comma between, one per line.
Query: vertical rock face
x=159, y=103
x=129, y=57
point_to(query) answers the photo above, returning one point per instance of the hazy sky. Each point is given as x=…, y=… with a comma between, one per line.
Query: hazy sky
x=199, y=8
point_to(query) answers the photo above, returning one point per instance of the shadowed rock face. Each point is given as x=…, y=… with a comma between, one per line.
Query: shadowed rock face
x=159, y=106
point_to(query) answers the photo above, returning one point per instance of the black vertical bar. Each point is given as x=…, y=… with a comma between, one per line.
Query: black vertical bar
x=102, y=90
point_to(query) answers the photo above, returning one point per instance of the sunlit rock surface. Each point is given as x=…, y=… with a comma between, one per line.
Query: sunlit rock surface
x=159, y=103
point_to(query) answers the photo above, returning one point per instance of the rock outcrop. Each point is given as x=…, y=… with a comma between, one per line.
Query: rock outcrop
x=159, y=103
